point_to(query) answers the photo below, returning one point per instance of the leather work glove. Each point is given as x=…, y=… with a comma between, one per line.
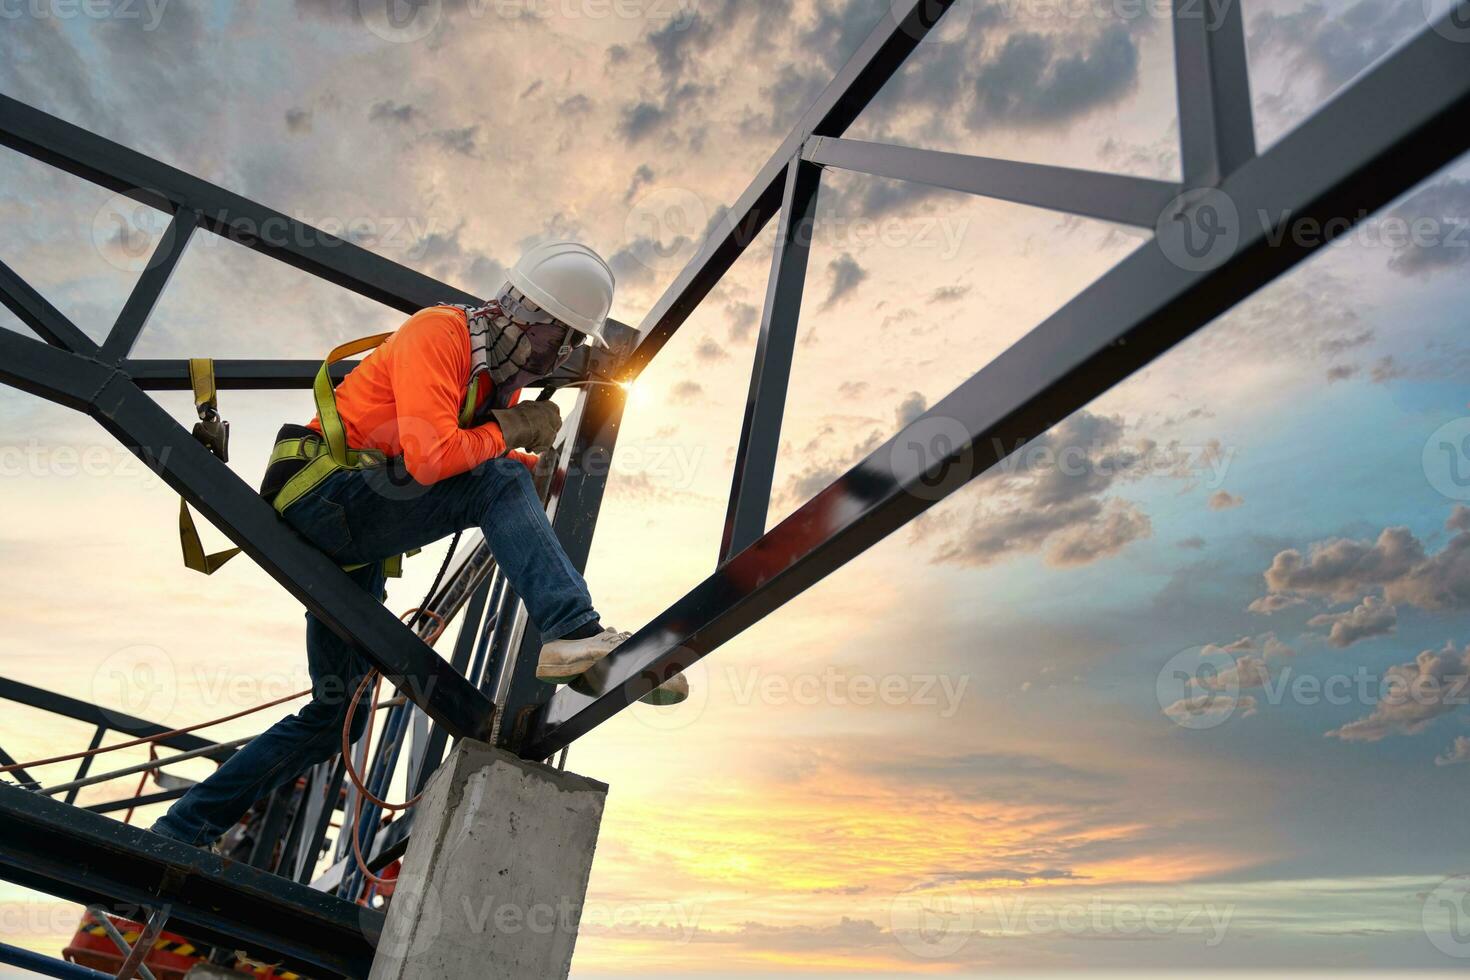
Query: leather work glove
x=531, y=426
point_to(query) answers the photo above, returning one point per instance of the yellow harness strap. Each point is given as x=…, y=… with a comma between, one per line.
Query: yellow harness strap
x=331, y=453
x=214, y=433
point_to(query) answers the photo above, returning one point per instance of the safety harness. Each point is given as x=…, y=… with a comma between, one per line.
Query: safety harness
x=301, y=458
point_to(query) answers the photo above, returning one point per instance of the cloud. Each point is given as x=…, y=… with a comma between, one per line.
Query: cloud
x=743, y=316
x=1372, y=617
x=1344, y=570
x=846, y=934
x=298, y=120
x=913, y=405
x=845, y=275
x=642, y=177
x=464, y=141
x=1331, y=44
x=1387, y=369
x=640, y=119
x=1415, y=694
x=1248, y=672
x=1193, y=543
x=1211, y=706
x=1341, y=372
x=576, y=104
x=1268, y=604
x=1019, y=875
x=395, y=113
x=630, y=263
x=686, y=391
x=950, y=294
x=1457, y=753
x=1030, y=80
x=1221, y=500
x=1122, y=523
x=709, y=351
x=1052, y=496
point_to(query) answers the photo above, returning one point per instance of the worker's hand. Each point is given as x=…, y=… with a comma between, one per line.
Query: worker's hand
x=530, y=425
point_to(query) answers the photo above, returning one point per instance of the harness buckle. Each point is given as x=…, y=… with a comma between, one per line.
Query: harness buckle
x=214, y=433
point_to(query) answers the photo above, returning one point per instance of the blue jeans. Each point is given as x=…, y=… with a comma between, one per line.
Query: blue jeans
x=366, y=517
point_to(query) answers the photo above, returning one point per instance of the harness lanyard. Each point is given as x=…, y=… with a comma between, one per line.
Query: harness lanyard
x=214, y=434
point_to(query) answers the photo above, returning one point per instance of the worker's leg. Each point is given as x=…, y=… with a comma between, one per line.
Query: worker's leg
x=291, y=746
x=379, y=520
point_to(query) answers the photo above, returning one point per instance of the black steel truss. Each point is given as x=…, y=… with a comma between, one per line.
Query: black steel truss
x=1392, y=128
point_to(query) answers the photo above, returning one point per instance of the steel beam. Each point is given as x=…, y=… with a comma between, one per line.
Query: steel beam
x=173, y=374
x=1126, y=200
x=262, y=229
x=1216, y=126
x=18, y=774
x=1394, y=127
x=91, y=859
x=576, y=500
x=133, y=802
x=105, y=719
x=150, y=286
x=33, y=309
x=881, y=54
x=765, y=405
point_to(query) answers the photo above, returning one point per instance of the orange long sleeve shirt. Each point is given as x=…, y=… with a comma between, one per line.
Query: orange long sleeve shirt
x=404, y=399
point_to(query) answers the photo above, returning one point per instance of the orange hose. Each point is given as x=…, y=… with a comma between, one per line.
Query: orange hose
x=374, y=678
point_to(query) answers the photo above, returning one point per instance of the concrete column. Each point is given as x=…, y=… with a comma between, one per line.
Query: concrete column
x=496, y=871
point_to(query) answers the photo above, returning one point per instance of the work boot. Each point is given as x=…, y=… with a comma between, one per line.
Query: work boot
x=563, y=661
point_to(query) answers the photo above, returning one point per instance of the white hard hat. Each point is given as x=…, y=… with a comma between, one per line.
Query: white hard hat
x=569, y=281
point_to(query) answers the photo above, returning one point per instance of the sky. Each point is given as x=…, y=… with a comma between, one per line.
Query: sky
x=1178, y=686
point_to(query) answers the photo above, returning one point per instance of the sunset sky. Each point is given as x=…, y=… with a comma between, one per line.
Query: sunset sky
x=1115, y=704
